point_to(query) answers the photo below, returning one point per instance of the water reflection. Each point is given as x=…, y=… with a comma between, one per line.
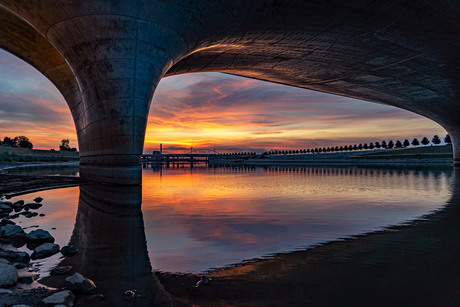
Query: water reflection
x=412, y=265
x=213, y=216
x=202, y=218
x=109, y=233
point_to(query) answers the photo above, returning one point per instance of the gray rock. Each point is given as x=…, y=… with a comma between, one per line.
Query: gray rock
x=15, y=256
x=18, y=206
x=5, y=291
x=27, y=214
x=40, y=235
x=65, y=298
x=69, y=250
x=38, y=199
x=10, y=231
x=5, y=222
x=5, y=208
x=60, y=270
x=33, y=205
x=21, y=305
x=7, y=203
x=79, y=283
x=8, y=275
x=3, y=260
x=45, y=250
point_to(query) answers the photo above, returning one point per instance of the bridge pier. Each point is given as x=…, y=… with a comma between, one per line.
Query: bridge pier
x=107, y=57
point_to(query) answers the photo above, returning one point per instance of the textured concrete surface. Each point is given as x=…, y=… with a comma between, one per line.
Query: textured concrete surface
x=107, y=57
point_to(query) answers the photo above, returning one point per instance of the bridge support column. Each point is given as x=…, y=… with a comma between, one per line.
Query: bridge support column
x=455, y=137
x=118, y=61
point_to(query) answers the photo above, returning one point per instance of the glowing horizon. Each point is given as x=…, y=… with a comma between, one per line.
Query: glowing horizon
x=210, y=110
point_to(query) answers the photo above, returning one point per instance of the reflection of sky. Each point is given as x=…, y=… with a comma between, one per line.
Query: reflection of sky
x=210, y=109
x=204, y=218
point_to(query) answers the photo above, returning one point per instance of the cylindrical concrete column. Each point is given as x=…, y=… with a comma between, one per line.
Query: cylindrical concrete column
x=118, y=61
x=455, y=137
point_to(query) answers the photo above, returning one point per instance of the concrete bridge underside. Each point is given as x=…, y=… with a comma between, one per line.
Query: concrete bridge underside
x=107, y=57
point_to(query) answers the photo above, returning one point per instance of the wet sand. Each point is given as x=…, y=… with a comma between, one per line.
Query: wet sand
x=20, y=184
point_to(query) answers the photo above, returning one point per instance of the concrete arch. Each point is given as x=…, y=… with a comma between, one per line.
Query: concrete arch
x=108, y=56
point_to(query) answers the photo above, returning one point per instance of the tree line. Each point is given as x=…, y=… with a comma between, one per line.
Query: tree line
x=19, y=141
x=24, y=142
x=375, y=145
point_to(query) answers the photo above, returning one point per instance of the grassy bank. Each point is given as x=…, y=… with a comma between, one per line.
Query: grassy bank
x=417, y=155
x=12, y=154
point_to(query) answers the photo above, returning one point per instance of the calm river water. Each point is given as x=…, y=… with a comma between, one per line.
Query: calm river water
x=200, y=218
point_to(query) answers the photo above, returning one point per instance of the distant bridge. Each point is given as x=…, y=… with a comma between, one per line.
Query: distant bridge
x=188, y=157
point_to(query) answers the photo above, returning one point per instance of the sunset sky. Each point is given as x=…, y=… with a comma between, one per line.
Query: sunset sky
x=212, y=109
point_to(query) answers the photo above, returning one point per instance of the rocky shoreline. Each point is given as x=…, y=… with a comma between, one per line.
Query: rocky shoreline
x=18, y=286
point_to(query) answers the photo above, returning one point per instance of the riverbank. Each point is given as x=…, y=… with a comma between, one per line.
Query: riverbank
x=15, y=154
x=428, y=155
x=11, y=184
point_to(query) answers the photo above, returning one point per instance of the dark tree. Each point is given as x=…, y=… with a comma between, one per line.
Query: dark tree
x=365, y=146
x=341, y=148
x=23, y=142
x=436, y=140
x=350, y=147
x=406, y=143
x=355, y=147
x=391, y=144
x=308, y=150
x=8, y=141
x=345, y=147
x=384, y=144
x=64, y=145
x=360, y=146
x=425, y=141
x=371, y=146
x=336, y=148
x=447, y=139
x=415, y=142
x=398, y=144
x=377, y=145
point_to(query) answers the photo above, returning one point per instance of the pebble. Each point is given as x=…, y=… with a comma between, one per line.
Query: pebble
x=33, y=206
x=38, y=199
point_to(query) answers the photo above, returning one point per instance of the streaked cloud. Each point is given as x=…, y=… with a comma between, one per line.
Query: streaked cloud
x=211, y=109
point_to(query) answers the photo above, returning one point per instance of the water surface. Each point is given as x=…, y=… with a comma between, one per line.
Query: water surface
x=200, y=218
